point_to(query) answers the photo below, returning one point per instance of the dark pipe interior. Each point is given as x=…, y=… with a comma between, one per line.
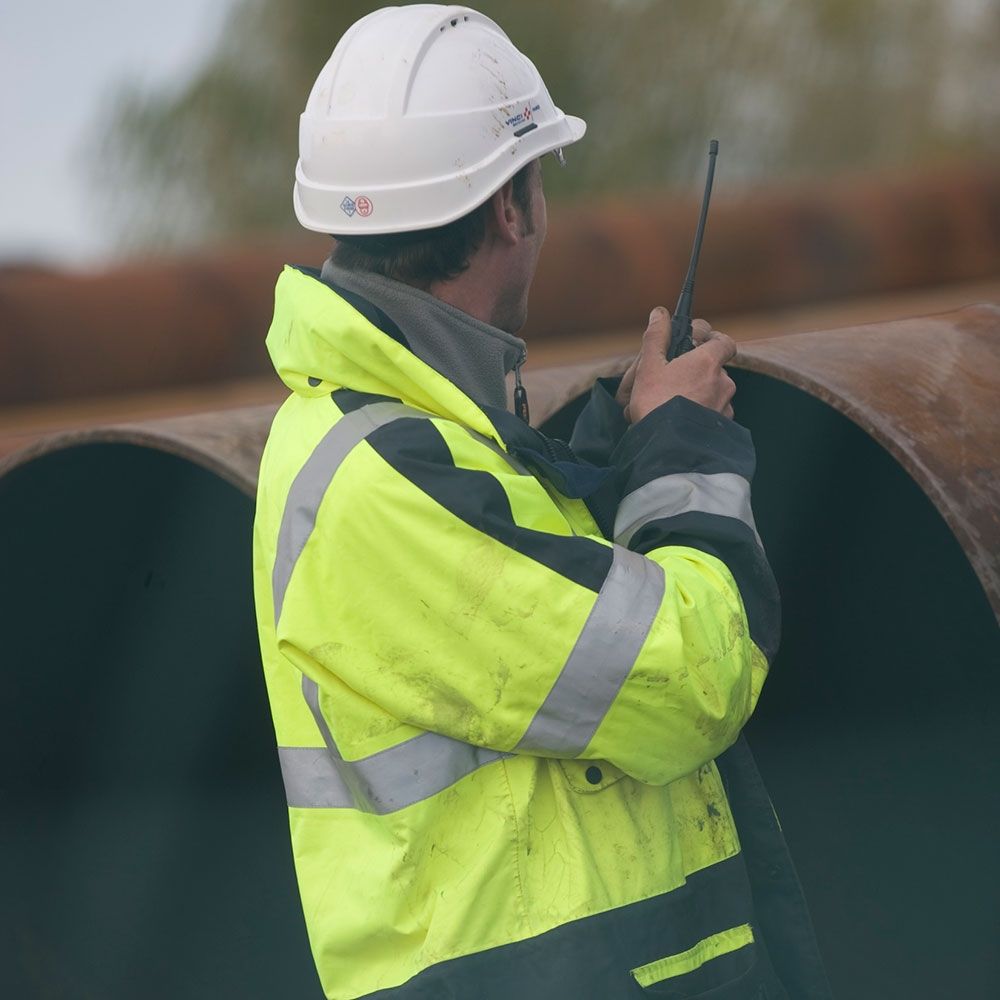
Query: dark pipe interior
x=876, y=733
x=144, y=844
x=144, y=848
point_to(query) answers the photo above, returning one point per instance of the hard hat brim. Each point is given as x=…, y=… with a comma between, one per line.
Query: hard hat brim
x=427, y=205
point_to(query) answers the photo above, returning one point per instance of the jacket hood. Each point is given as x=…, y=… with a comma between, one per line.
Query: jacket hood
x=318, y=341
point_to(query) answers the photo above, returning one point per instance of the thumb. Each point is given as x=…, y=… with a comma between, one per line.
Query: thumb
x=656, y=339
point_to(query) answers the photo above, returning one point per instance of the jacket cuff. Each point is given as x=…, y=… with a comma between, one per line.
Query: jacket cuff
x=683, y=474
x=601, y=425
x=681, y=436
x=682, y=459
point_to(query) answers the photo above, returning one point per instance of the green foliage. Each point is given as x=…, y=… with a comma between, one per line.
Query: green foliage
x=791, y=89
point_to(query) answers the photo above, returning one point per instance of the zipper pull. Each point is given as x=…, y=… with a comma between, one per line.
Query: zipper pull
x=520, y=395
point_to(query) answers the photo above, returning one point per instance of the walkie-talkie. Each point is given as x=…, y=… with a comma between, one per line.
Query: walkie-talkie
x=680, y=325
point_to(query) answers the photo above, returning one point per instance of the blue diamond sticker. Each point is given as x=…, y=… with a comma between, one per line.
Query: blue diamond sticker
x=348, y=206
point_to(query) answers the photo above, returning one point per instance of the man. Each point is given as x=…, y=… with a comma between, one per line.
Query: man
x=501, y=668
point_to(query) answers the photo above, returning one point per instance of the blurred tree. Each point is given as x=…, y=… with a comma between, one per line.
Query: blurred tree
x=790, y=89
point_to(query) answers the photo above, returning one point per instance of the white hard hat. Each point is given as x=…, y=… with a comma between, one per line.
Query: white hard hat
x=421, y=113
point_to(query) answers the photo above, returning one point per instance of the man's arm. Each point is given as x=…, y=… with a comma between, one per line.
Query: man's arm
x=458, y=599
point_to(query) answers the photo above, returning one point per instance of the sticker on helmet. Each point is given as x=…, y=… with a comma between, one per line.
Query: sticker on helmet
x=348, y=206
x=523, y=117
x=364, y=206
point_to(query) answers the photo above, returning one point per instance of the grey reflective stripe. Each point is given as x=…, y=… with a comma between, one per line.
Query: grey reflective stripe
x=311, y=778
x=722, y=493
x=320, y=778
x=602, y=658
x=314, y=478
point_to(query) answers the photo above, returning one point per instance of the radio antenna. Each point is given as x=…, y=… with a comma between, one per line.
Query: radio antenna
x=680, y=324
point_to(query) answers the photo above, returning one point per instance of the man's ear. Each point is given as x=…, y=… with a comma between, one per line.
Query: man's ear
x=503, y=214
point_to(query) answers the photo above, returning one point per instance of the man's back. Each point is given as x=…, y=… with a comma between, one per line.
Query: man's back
x=429, y=607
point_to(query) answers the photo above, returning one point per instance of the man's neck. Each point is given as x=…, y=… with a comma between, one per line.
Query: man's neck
x=469, y=296
x=485, y=290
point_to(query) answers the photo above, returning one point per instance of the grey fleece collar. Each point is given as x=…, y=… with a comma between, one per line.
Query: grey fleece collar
x=470, y=353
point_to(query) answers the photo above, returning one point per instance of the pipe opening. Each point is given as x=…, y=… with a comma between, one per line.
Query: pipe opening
x=875, y=733
x=150, y=837
x=148, y=853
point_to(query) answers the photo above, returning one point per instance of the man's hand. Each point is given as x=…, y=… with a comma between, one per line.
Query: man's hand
x=697, y=375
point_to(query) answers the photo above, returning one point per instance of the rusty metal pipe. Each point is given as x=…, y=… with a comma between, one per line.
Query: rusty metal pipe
x=926, y=390
x=878, y=497
x=133, y=670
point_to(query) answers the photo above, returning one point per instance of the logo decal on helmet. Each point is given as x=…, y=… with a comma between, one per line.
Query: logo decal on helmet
x=362, y=205
x=523, y=117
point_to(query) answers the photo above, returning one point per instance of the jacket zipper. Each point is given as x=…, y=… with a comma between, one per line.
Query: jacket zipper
x=520, y=394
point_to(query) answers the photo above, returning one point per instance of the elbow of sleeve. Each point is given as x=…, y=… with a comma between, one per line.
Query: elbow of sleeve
x=720, y=689
x=719, y=709
x=694, y=684
x=673, y=722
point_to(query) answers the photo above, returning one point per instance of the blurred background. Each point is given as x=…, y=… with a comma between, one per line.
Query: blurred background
x=145, y=212
x=140, y=133
x=149, y=155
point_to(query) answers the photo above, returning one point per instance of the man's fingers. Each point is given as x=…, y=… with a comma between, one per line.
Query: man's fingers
x=656, y=339
x=701, y=330
x=698, y=375
x=628, y=380
x=720, y=346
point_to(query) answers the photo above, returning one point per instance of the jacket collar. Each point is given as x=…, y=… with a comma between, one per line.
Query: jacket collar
x=473, y=355
x=322, y=338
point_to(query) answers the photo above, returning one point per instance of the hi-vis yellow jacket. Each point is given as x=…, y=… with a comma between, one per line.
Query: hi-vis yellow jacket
x=497, y=725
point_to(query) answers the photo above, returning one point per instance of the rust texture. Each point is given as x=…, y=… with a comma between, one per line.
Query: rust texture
x=229, y=443
x=926, y=389
x=201, y=320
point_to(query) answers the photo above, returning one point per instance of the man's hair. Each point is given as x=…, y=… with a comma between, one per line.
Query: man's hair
x=428, y=255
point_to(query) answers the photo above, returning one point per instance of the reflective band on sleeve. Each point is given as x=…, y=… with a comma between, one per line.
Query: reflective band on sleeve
x=723, y=493
x=313, y=480
x=602, y=658
x=311, y=778
x=320, y=778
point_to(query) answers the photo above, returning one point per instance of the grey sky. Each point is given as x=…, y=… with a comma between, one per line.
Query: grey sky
x=59, y=61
